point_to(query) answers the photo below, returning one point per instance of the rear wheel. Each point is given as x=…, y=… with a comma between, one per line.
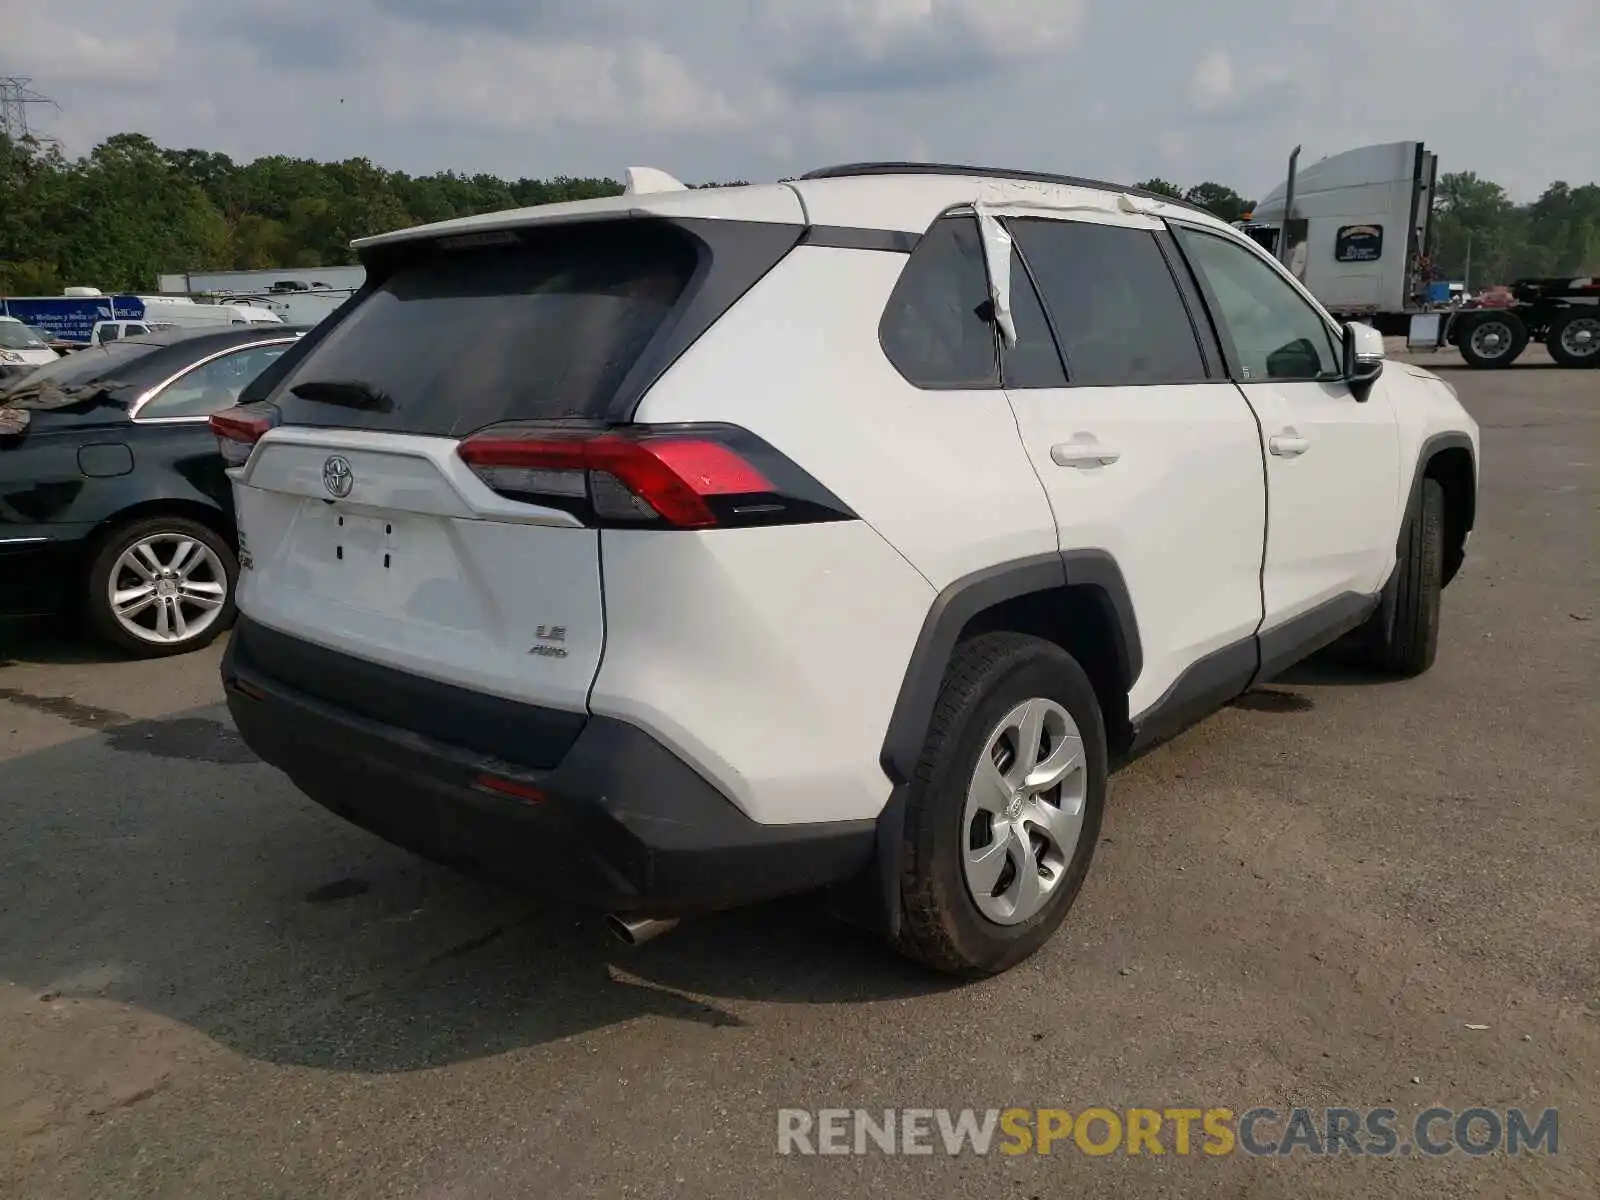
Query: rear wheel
x=1492, y=339
x=161, y=586
x=1574, y=339
x=1005, y=809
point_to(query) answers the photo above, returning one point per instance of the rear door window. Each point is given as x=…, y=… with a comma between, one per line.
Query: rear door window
x=544, y=329
x=1113, y=302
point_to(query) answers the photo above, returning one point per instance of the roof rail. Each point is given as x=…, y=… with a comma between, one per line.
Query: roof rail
x=855, y=170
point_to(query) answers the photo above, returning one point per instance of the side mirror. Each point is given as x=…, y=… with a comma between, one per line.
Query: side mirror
x=1363, y=357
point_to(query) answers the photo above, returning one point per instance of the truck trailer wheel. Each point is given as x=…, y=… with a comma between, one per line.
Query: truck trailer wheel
x=1574, y=339
x=1493, y=338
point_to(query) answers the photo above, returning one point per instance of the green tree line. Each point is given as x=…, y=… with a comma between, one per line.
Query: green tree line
x=130, y=209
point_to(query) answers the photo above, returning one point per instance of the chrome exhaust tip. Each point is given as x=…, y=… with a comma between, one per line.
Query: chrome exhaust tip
x=636, y=931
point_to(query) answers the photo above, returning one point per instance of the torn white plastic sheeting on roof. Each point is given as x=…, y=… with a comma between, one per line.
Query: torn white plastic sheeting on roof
x=1107, y=214
x=997, y=191
x=640, y=180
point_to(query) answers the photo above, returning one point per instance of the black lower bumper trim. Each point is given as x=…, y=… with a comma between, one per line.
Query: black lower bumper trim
x=624, y=824
x=455, y=716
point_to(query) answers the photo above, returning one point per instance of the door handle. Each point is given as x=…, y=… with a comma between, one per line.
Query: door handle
x=1288, y=444
x=1083, y=451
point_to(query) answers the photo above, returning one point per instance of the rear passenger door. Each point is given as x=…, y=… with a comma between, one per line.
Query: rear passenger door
x=1333, y=461
x=1146, y=450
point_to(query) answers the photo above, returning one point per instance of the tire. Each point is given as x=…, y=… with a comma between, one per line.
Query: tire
x=200, y=591
x=1493, y=338
x=1574, y=339
x=990, y=680
x=1405, y=630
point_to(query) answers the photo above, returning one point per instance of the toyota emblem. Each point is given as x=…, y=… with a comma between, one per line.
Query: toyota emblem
x=337, y=476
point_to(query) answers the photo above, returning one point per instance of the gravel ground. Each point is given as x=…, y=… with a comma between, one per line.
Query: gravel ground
x=209, y=987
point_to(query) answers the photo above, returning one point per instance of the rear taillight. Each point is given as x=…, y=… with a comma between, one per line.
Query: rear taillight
x=239, y=429
x=681, y=476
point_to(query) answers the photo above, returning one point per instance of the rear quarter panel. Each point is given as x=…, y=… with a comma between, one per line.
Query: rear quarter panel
x=769, y=659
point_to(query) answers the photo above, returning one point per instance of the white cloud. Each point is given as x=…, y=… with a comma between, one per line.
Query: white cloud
x=1000, y=26
x=493, y=82
x=113, y=54
x=886, y=45
x=1212, y=85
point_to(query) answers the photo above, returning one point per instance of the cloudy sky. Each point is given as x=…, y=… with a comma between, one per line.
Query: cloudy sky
x=719, y=89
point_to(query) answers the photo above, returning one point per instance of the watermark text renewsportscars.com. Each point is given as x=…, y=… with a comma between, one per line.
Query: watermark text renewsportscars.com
x=1098, y=1131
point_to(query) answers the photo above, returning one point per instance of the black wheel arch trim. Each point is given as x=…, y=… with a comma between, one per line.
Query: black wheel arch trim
x=956, y=606
x=1098, y=571
x=873, y=899
x=1431, y=447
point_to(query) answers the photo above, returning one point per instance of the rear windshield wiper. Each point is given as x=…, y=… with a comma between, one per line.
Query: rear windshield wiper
x=351, y=393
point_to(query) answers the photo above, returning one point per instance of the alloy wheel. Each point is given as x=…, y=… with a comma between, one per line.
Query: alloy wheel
x=167, y=588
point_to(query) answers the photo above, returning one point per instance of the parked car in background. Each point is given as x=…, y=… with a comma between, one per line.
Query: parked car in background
x=111, y=331
x=113, y=499
x=22, y=349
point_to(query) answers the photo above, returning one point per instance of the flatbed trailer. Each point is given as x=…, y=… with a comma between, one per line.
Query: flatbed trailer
x=1563, y=314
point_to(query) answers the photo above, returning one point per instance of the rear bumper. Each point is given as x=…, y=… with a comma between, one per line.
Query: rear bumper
x=619, y=823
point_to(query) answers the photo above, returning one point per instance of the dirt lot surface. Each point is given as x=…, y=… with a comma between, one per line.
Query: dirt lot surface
x=209, y=987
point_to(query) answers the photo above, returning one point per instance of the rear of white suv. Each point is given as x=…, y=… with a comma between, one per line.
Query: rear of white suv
x=491, y=616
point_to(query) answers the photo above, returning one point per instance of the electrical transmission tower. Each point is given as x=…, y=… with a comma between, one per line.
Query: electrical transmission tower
x=16, y=94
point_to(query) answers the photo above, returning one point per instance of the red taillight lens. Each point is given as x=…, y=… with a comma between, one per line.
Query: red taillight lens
x=514, y=788
x=644, y=475
x=239, y=429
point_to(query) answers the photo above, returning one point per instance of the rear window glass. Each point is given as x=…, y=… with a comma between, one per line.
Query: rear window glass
x=543, y=330
x=91, y=365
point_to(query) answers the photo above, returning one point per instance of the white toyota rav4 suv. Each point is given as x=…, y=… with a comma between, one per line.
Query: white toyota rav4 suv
x=686, y=548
